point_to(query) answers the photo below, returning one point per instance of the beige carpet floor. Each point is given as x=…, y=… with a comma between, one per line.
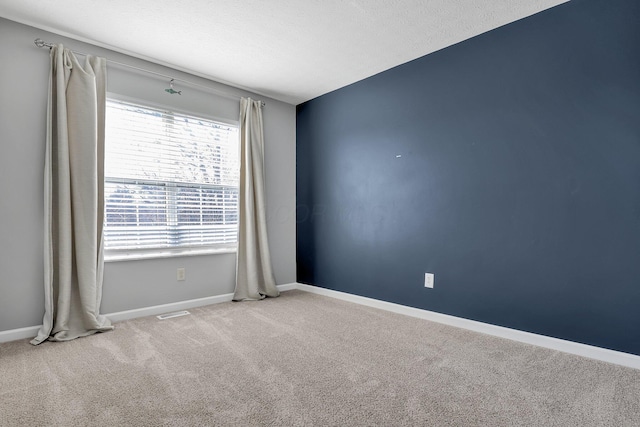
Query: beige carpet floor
x=306, y=360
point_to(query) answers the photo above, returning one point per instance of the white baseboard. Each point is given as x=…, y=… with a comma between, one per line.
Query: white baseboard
x=592, y=352
x=288, y=287
x=32, y=331
x=180, y=305
x=19, y=334
x=167, y=308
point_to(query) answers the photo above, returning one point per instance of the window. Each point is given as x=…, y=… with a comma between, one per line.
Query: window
x=171, y=182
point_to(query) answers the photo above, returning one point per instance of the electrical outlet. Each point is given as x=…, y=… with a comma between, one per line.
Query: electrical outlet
x=429, y=279
x=181, y=274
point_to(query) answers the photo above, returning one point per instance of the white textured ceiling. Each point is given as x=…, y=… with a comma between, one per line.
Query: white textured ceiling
x=291, y=50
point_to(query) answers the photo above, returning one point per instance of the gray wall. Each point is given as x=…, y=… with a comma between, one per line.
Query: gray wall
x=128, y=284
x=518, y=183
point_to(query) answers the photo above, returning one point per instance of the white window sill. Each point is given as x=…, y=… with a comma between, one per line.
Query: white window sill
x=115, y=256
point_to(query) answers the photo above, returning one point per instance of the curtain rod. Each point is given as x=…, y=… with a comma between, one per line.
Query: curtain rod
x=41, y=43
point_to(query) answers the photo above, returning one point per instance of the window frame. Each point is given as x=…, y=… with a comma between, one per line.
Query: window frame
x=111, y=255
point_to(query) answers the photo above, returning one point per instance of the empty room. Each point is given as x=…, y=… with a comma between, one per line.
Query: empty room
x=320, y=213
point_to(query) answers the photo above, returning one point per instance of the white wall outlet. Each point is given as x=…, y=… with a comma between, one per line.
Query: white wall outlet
x=429, y=279
x=181, y=274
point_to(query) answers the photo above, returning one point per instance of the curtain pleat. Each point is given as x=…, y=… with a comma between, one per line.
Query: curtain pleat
x=254, y=274
x=74, y=198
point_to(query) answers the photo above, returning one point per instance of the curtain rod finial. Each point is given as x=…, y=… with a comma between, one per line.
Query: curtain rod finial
x=41, y=43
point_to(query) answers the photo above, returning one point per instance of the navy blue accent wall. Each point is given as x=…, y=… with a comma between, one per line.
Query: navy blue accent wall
x=508, y=165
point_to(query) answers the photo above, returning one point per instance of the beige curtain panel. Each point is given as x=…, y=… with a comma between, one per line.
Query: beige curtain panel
x=74, y=198
x=254, y=274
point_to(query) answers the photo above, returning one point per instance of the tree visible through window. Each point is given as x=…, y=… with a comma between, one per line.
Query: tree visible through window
x=171, y=180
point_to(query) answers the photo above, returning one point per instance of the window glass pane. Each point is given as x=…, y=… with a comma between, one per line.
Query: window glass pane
x=171, y=180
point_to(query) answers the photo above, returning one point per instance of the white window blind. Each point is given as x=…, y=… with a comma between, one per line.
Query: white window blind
x=171, y=180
